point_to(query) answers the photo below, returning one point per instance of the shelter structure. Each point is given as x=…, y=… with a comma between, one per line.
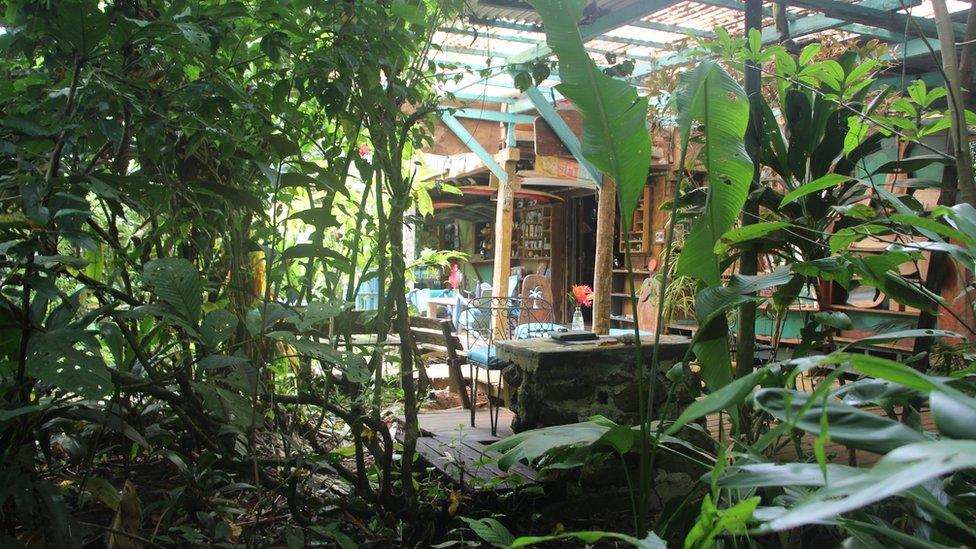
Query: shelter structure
x=530, y=202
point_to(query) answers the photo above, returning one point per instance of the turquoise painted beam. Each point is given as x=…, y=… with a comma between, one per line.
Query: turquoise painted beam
x=737, y=5
x=468, y=96
x=492, y=36
x=812, y=24
x=855, y=13
x=468, y=51
x=524, y=56
x=493, y=116
x=915, y=48
x=676, y=29
x=872, y=32
x=472, y=144
x=527, y=27
x=613, y=20
x=548, y=113
x=931, y=79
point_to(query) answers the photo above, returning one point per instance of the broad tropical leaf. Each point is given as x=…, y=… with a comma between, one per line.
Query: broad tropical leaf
x=54, y=359
x=177, y=282
x=724, y=398
x=848, y=425
x=615, y=136
x=709, y=96
x=900, y=470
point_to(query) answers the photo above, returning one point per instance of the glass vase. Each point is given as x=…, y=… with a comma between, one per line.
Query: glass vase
x=577, y=319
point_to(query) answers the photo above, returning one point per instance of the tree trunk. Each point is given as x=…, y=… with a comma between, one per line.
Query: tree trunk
x=959, y=131
x=745, y=348
x=603, y=269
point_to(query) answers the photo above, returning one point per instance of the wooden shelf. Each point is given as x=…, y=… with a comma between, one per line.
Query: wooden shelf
x=838, y=307
x=640, y=237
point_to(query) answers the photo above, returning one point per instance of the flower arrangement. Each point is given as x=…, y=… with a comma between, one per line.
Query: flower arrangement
x=582, y=295
x=455, y=277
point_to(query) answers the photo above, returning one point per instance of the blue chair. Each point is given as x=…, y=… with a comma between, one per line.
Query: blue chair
x=504, y=313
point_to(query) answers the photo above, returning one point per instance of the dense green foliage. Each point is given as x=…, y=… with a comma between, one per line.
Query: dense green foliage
x=820, y=200
x=195, y=194
x=158, y=164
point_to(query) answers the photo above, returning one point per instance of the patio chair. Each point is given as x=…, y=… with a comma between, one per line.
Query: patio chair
x=482, y=337
x=646, y=311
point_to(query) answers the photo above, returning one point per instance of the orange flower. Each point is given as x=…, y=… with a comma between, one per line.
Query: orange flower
x=583, y=295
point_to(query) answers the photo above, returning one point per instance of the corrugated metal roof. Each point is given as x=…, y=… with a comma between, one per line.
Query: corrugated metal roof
x=488, y=31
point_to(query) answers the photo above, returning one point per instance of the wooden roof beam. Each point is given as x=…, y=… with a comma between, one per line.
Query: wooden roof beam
x=856, y=13
x=676, y=29
x=528, y=27
x=562, y=130
x=813, y=24
x=738, y=5
x=613, y=20
x=472, y=144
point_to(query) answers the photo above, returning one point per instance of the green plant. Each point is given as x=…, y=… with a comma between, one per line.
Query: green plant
x=186, y=221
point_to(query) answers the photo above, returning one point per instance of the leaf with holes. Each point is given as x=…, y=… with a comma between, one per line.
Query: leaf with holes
x=615, y=137
x=491, y=531
x=217, y=327
x=53, y=359
x=177, y=282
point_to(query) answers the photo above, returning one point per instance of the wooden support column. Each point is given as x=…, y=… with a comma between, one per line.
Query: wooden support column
x=603, y=270
x=504, y=209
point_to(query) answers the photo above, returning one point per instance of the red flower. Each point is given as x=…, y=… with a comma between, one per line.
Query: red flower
x=583, y=295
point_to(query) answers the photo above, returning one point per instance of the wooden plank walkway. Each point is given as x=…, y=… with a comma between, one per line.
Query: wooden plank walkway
x=455, y=449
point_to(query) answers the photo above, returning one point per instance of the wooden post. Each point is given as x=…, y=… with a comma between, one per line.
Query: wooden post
x=603, y=270
x=504, y=208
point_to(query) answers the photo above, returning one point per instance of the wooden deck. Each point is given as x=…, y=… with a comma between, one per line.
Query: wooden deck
x=456, y=450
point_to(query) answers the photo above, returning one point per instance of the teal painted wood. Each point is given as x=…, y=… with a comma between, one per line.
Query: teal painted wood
x=566, y=135
x=494, y=116
x=472, y=144
x=812, y=24
x=866, y=319
x=615, y=19
x=855, y=13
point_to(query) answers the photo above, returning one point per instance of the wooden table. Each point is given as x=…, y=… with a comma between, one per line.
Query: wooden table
x=554, y=383
x=370, y=340
x=435, y=302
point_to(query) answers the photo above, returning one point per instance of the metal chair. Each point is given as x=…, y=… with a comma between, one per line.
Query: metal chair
x=488, y=320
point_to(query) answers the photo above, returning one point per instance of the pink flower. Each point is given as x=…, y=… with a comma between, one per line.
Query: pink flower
x=455, y=279
x=364, y=150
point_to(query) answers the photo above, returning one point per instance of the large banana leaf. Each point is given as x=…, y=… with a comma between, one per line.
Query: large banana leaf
x=615, y=137
x=710, y=97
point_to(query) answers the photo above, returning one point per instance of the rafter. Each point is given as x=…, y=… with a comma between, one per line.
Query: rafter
x=562, y=130
x=527, y=27
x=813, y=24
x=472, y=144
x=676, y=29
x=468, y=51
x=736, y=5
x=855, y=13
x=613, y=20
